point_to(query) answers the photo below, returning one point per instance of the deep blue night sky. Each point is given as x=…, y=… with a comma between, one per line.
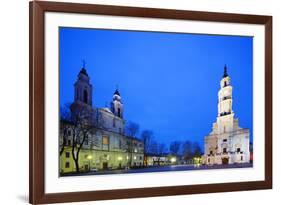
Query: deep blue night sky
x=168, y=82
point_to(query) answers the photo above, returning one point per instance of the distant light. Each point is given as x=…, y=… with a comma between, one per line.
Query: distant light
x=89, y=157
x=135, y=157
x=173, y=160
x=136, y=150
x=197, y=161
x=127, y=157
x=119, y=158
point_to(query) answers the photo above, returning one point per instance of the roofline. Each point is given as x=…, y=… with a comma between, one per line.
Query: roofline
x=127, y=136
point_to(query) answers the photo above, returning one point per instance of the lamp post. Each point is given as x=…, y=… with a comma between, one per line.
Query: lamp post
x=89, y=157
x=173, y=160
x=119, y=160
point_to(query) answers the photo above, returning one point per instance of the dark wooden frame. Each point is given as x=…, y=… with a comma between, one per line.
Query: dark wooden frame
x=37, y=95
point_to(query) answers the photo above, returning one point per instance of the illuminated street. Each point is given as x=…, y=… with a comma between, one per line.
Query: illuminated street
x=163, y=169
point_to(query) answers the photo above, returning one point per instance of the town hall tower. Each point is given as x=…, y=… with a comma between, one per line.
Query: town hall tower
x=227, y=143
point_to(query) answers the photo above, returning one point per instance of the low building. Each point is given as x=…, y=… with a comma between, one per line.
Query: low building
x=160, y=159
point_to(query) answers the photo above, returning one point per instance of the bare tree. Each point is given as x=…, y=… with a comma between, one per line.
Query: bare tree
x=129, y=147
x=146, y=137
x=196, y=149
x=132, y=129
x=175, y=147
x=64, y=127
x=162, y=148
x=191, y=149
x=81, y=130
x=187, y=150
x=153, y=147
x=65, y=123
x=65, y=113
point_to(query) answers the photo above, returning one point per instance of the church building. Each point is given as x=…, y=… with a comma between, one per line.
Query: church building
x=106, y=146
x=227, y=143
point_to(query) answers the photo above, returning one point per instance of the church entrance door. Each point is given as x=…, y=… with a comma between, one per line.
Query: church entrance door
x=104, y=165
x=224, y=160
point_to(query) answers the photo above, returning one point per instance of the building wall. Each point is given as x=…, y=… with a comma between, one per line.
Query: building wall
x=99, y=160
x=119, y=151
x=107, y=120
x=106, y=146
x=152, y=160
x=236, y=144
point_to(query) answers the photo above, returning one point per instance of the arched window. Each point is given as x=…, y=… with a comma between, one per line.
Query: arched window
x=119, y=112
x=85, y=96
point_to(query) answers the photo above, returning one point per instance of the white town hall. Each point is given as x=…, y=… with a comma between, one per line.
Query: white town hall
x=227, y=143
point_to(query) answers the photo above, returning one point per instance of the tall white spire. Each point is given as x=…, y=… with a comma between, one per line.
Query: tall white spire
x=225, y=95
x=116, y=104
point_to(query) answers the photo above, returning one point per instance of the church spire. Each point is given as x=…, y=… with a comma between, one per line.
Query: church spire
x=83, y=88
x=84, y=63
x=225, y=95
x=116, y=104
x=225, y=72
x=83, y=70
x=116, y=92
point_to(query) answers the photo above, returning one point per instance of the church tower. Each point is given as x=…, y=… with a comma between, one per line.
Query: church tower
x=225, y=95
x=82, y=104
x=227, y=143
x=83, y=88
x=225, y=113
x=117, y=105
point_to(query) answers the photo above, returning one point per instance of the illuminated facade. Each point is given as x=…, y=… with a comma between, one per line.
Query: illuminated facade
x=106, y=145
x=227, y=143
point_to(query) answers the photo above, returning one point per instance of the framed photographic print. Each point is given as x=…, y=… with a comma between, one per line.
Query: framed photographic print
x=138, y=102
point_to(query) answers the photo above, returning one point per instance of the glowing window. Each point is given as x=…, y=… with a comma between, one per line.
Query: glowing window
x=105, y=140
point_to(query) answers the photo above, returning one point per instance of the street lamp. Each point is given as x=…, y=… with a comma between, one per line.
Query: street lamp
x=89, y=157
x=119, y=159
x=197, y=161
x=173, y=160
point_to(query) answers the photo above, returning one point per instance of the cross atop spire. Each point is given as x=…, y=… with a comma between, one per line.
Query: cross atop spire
x=116, y=90
x=84, y=63
x=83, y=70
x=225, y=72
